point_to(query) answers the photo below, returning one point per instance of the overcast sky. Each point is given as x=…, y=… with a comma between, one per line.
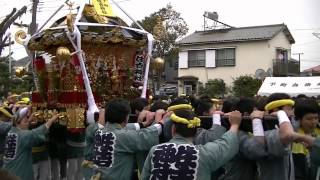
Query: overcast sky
x=301, y=16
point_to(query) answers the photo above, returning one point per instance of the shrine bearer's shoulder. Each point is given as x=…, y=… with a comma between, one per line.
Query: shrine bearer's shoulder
x=134, y=140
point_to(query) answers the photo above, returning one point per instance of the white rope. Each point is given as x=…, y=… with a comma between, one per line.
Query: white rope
x=110, y=25
x=91, y=102
x=146, y=72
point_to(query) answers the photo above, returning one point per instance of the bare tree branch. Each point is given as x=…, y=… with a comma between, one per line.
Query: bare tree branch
x=7, y=22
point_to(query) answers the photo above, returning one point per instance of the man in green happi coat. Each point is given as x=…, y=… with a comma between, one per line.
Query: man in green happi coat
x=181, y=158
x=19, y=142
x=5, y=126
x=115, y=146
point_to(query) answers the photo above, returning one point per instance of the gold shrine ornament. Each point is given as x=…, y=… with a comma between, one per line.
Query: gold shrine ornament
x=63, y=54
x=20, y=71
x=70, y=18
x=158, y=64
x=70, y=22
x=20, y=36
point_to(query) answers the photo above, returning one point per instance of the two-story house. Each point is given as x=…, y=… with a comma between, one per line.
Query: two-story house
x=232, y=52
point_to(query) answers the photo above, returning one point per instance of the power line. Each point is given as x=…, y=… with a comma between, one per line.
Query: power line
x=50, y=1
x=48, y=7
x=311, y=51
x=52, y=10
x=308, y=43
x=120, y=1
x=310, y=60
x=307, y=29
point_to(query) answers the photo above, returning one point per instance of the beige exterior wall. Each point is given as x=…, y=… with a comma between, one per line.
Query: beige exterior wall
x=250, y=56
x=280, y=41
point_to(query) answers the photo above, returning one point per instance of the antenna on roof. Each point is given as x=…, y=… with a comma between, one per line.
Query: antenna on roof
x=213, y=16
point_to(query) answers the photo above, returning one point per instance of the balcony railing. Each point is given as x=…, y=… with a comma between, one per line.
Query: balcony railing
x=286, y=67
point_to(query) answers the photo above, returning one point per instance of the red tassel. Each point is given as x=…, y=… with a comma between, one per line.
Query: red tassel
x=39, y=63
x=76, y=63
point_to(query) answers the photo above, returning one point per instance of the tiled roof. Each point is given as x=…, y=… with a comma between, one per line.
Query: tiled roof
x=315, y=69
x=252, y=33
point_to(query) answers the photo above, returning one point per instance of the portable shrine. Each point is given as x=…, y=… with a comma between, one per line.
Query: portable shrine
x=83, y=60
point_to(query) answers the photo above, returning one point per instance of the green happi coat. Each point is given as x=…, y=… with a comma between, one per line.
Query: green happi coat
x=181, y=158
x=315, y=158
x=315, y=152
x=40, y=150
x=76, y=143
x=115, y=147
x=203, y=136
x=89, y=150
x=4, y=129
x=278, y=163
x=18, y=152
x=243, y=165
x=90, y=131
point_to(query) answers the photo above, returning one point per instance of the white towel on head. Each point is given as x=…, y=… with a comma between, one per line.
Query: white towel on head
x=21, y=114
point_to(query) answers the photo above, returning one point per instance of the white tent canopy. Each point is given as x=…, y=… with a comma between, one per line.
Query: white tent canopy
x=310, y=86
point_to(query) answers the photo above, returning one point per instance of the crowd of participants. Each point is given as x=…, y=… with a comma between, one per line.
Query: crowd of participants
x=183, y=138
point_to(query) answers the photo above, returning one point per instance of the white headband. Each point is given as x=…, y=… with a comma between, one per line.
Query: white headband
x=21, y=114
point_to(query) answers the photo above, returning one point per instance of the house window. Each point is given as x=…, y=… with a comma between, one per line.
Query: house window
x=281, y=54
x=225, y=57
x=196, y=58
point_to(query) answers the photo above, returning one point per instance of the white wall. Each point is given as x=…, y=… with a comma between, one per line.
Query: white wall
x=280, y=41
x=249, y=57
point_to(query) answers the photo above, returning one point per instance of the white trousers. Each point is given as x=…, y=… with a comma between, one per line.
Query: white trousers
x=41, y=170
x=74, y=169
x=56, y=170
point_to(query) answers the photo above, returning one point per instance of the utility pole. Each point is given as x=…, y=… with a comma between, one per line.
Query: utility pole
x=33, y=24
x=6, y=23
x=10, y=75
x=33, y=29
x=299, y=54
